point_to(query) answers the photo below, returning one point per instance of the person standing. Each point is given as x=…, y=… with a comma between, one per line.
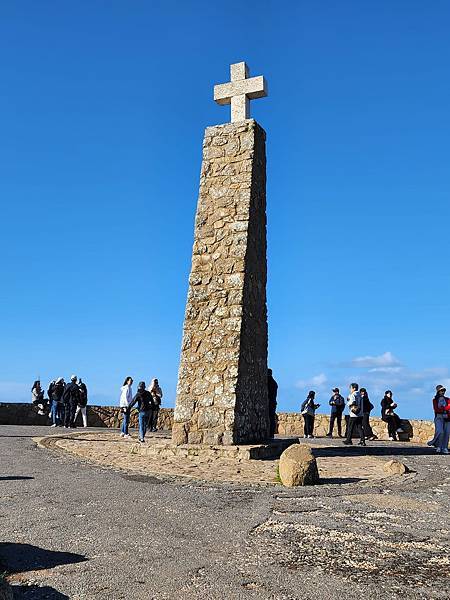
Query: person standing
x=82, y=402
x=367, y=408
x=389, y=416
x=144, y=400
x=337, y=404
x=308, y=410
x=71, y=398
x=439, y=406
x=446, y=431
x=354, y=403
x=156, y=394
x=126, y=398
x=272, y=392
x=55, y=393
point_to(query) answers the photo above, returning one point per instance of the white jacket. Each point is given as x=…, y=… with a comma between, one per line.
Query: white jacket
x=126, y=396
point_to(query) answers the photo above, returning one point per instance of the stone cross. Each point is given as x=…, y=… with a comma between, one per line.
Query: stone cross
x=239, y=91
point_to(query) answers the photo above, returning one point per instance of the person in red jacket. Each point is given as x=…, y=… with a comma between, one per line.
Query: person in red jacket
x=446, y=431
x=440, y=402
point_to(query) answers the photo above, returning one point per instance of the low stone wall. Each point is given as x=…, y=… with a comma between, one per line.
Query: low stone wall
x=415, y=430
x=98, y=416
x=288, y=423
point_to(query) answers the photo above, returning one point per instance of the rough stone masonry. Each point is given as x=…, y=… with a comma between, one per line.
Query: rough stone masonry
x=222, y=383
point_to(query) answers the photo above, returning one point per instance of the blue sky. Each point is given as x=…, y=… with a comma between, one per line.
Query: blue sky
x=103, y=107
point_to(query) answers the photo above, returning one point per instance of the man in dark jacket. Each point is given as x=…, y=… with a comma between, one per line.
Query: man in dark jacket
x=337, y=403
x=144, y=401
x=82, y=402
x=272, y=390
x=71, y=398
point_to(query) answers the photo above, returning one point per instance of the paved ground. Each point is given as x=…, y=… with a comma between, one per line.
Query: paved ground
x=71, y=529
x=107, y=448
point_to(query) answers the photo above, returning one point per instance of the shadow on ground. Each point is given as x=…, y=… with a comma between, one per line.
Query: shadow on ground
x=14, y=477
x=19, y=558
x=355, y=450
x=36, y=592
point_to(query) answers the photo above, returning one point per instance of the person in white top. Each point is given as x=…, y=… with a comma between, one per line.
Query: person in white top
x=355, y=405
x=126, y=397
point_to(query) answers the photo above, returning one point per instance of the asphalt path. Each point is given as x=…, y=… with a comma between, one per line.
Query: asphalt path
x=70, y=529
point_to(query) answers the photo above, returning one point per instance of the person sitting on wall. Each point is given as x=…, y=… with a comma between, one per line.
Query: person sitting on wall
x=390, y=417
x=37, y=398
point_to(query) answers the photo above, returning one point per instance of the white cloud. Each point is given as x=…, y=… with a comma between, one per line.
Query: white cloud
x=386, y=360
x=317, y=381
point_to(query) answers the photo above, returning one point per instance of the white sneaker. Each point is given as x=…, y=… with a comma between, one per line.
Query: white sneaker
x=127, y=436
x=400, y=430
x=122, y=434
x=444, y=451
x=438, y=450
x=305, y=436
x=391, y=439
x=54, y=425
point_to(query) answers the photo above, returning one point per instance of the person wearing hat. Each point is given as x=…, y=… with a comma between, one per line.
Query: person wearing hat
x=71, y=398
x=440, y=402
x=337, y=403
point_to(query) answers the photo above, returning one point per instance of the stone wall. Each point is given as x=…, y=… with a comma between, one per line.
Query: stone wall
x=289, y=424
x=415, y=430
x=98, y=416
x=222, y=382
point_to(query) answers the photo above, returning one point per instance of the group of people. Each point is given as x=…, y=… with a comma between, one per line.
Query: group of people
x=148, y=402
x=65, y=401
x=359, y=409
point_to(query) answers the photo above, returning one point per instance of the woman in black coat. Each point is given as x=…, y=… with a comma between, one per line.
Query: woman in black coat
x=389, y=416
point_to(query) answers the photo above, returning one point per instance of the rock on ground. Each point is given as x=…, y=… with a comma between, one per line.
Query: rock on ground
x=395, y=467
x=298, y=466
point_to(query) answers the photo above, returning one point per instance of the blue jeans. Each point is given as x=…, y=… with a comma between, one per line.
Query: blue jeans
x=143, y=420
x=125, y=422
x=55, y=413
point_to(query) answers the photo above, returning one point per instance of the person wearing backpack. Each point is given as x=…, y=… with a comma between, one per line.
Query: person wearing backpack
x=55, y=393
x=355, y=405
x=82, y=402
x=308, y=410
x=144, y=400
x=71, y=397
x=337, y=404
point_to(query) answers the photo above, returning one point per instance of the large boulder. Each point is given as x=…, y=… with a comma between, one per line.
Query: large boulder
x=298, y=466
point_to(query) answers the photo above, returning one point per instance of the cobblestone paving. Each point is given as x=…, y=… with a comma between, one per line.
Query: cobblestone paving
x=109, y=449
x=75, y=529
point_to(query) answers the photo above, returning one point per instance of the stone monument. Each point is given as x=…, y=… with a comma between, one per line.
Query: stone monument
x=222, y=381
